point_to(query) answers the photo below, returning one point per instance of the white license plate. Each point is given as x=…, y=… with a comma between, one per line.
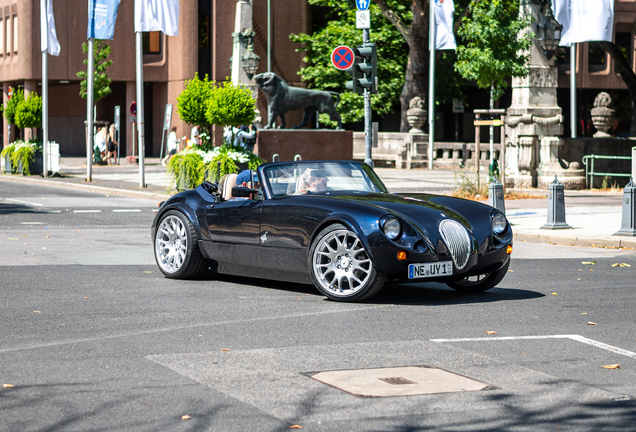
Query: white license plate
x=427, y=270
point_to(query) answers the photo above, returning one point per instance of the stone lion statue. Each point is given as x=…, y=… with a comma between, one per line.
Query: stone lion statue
x=283, y=98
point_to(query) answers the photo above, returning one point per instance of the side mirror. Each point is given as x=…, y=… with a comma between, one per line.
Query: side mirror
x=243, y=192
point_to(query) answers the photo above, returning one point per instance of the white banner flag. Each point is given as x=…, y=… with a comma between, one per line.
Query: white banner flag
x=157, y=15
x=444, y=37
x=584, y=20
x=48, y=35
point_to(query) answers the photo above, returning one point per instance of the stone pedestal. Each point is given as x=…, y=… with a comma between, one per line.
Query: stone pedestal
x=310, y=144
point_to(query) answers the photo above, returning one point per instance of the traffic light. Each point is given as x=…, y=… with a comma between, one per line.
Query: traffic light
x=364, y=71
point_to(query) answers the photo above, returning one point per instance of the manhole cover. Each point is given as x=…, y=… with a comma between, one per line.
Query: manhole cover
x=398, y=381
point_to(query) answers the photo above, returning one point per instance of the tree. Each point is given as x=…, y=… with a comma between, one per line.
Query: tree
x=627, y=74
x=192, y=102
x=230, y=105
x=28, y=113
x=12, y=105
x=494, y=49
x=320, y=73
x=101, y=82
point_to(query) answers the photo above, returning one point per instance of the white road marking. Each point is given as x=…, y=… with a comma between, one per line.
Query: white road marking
x=87, y=211
x=32, y=223
x=577, y=338
x=24, y=202
x=126, y=211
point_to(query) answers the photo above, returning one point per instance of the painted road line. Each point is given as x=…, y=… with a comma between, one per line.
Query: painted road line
x=32, y=223
x=577, y=338
x=24, y=202
x=87, y=211
x=126, y=211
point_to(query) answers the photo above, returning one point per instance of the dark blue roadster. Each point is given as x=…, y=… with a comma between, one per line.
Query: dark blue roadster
x=333, y=224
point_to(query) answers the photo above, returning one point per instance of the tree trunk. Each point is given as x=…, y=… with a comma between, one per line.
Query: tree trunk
x=628, y=76
x=416, y=76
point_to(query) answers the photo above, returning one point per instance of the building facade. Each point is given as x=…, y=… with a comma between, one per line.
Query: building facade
x=203, y=46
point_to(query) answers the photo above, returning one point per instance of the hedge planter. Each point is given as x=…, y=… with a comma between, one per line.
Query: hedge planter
x=36, y=167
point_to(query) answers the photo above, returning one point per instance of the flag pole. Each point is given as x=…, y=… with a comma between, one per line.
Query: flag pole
x=140, y=105
x=431, y=81
x=573, y=90
x=89, y=110
x=44, y=19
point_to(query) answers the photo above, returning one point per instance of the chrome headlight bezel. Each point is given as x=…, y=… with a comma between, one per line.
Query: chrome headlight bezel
x=499, y=223
x=391, y=227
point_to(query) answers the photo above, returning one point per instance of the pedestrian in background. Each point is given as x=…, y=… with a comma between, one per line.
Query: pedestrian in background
x=173, y=145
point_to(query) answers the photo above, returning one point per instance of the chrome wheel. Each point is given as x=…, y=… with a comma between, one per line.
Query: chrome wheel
x=171, y=244
x=340, y=264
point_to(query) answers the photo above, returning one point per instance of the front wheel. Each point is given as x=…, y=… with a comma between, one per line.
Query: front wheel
x=176, y=250
x=480, y=283
x=340, y=266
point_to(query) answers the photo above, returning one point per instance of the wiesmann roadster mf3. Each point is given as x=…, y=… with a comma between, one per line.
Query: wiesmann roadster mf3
x=333, y=224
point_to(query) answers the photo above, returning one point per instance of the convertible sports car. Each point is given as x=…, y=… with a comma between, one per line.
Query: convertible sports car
x=333, y=224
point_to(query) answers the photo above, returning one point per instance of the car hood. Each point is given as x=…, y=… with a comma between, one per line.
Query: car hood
x=424, y=209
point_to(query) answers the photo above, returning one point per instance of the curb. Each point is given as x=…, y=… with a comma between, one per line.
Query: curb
x=86, y=187
x=614, y=242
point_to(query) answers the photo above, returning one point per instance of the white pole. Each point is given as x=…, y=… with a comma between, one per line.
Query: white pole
x=492, y=128
x=140, y=105
x=45, y=92
x=431, y=82
x=269, y=51
x=573, y=90
x=89, y=110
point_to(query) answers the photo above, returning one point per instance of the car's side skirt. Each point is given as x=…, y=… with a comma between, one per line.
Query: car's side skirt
x=259, y=262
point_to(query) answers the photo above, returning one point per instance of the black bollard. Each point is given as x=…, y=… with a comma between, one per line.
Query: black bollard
x=496, y=196
x=556, y=207
x=628, y=227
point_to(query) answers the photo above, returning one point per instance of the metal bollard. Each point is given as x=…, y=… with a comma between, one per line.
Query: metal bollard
x=496, y=196
x=628, y=227
x=556, y=207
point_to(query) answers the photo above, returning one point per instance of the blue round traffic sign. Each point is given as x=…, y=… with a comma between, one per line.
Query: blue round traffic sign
x=342, y=57
x=363, y=4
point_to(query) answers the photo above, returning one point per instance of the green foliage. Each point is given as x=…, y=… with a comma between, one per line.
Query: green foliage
x=190, y=168
x=494, y=51
x=186, y=169
x=101, y=82
x=192, y=102
x=392, y=57
x=28, y=113
x=230, y=105
x=21, y=154
x=12, y=105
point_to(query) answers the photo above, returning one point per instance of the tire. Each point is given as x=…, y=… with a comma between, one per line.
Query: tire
x=340, y=266
x=176, y=249
x=480, y=283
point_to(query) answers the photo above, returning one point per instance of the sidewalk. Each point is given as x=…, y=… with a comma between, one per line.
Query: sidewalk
x=593, y=215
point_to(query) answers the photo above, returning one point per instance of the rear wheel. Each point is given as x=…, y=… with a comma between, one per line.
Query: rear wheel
x=340, y=266
x=176, y=250
x=480, y=283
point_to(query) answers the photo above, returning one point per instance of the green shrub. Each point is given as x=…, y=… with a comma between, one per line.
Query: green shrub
x=28, y=113
x=465, y=185
x=230, y=105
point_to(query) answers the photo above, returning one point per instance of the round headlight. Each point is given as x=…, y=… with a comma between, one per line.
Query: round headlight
x=391, y=228
x=499, y=223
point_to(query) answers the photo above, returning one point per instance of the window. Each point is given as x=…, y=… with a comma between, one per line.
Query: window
x=15, y=34
x=1, y=37
x=597, y=58
x=563, y=55
x=204, y=31
x=8, y=33
x=625, y=43
x=151, y=42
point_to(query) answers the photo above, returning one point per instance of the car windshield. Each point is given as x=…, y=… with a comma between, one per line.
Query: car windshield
x=306, y=178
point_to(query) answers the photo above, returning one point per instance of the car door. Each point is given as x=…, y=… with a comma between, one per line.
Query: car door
x=235, y=222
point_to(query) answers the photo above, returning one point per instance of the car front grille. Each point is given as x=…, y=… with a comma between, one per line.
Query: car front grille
x=457, y=240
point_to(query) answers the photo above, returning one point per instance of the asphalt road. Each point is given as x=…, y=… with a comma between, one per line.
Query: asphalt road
x=93, y=337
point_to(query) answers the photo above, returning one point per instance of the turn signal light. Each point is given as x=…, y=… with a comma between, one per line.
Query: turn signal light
x=509, y=249
x=401, y=256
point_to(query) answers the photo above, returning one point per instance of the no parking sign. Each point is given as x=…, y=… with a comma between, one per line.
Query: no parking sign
x=342, y=57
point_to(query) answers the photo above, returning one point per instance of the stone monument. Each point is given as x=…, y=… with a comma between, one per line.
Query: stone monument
x=602, y=115
x=534, y=123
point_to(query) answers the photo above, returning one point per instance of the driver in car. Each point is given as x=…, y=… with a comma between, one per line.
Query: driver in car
x=312, y=181
x=243, y=180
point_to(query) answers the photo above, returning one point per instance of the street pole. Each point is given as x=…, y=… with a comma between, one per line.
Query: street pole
x=89, y=110
x=573, y=90
x=431, y=82
x=368, y=132
x=140, y=106
x=45, y=91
